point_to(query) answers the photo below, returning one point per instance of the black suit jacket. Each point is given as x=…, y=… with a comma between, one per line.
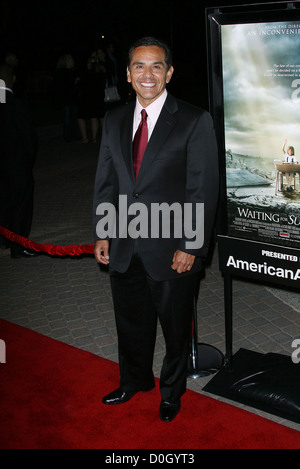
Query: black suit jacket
x=180, y=166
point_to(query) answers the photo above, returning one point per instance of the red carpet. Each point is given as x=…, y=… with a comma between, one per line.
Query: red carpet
x=50, y=398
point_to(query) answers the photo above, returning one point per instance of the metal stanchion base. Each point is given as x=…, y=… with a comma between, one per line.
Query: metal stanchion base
x=204, y=361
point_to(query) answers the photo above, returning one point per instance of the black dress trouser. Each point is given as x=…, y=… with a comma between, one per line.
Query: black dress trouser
x=138, y=302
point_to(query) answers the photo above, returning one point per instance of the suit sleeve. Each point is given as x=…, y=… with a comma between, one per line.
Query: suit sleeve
x=202, y=187
x=105, y=185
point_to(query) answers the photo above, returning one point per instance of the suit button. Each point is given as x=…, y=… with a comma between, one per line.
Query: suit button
x=136, y=195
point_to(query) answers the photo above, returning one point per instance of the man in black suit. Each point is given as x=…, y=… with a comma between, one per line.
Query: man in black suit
x=17, y=157
x=154, y=260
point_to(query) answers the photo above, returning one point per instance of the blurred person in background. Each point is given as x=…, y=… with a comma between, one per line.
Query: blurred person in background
x=91, y=106
x=17, y=158
x=65, y=96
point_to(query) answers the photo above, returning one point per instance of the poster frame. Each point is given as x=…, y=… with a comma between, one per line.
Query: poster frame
x=215, y=18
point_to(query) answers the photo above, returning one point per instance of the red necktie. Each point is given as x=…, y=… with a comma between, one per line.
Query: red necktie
x=139, y=143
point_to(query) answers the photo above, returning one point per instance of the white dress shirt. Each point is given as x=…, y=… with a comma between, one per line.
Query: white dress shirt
x=153, y=111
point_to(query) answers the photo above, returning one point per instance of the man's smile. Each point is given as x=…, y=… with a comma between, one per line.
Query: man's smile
x=148, y=85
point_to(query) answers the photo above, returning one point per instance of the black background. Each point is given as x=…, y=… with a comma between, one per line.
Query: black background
x=39, y=32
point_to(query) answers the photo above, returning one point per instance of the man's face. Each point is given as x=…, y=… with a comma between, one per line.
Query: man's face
x=148, y=73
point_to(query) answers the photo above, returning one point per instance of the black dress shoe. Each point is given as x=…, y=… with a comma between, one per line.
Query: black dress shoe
x=4, y=244
x=18, y=253
x=169, y=410
x=118, y=397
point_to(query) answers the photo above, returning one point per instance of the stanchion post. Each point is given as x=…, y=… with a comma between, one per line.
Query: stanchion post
x=204, y=359
x=194, y=340
x=228, y=319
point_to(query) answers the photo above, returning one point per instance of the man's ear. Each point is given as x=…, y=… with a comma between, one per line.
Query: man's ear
x=128, y=75
x=169, y=74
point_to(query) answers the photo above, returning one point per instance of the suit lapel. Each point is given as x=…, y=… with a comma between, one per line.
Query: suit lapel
x=126, y=125
x=162, y=129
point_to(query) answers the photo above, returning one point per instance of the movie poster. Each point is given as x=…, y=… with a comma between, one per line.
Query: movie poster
x=261, y=88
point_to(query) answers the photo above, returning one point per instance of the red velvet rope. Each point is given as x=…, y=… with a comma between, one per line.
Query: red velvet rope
x=53, y=250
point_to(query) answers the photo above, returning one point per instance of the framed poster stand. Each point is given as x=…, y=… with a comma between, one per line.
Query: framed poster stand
x=254, y=97
x=269, y=264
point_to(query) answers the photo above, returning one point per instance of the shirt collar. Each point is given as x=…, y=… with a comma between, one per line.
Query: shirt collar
x=153, y=111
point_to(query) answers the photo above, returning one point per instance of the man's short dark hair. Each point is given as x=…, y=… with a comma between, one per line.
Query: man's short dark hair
x=151, y=41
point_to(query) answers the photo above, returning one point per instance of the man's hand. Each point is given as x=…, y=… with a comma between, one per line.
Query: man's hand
x=182, y=261
x=101, y=251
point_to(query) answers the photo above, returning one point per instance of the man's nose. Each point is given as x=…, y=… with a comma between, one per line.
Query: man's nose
x=148, y=71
